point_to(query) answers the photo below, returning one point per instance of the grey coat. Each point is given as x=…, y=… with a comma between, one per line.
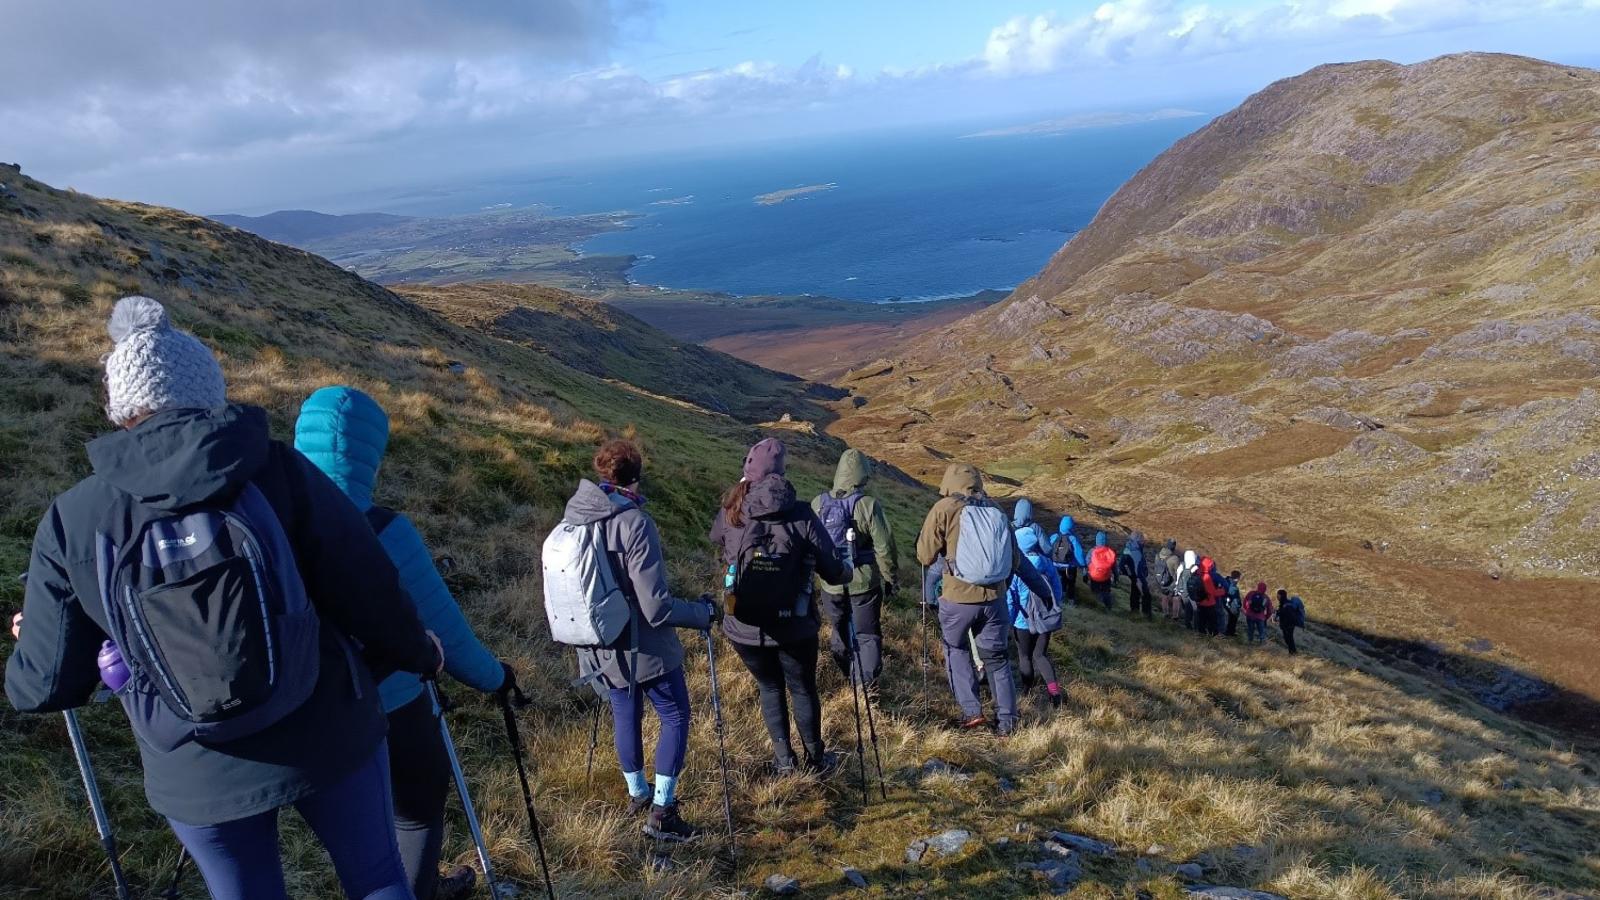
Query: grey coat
x=634, y=546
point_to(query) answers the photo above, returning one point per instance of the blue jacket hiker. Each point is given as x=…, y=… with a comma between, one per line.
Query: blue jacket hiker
x=181, y=455
x=1066, y=551
x=1022, y=520
x=345, y=433
x=1035, y=618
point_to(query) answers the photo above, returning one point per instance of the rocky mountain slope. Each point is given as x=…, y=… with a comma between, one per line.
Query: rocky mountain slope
x=1346, y=336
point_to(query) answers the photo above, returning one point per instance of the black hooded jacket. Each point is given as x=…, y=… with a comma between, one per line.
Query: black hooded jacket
x=178, y=459
x=772, y=500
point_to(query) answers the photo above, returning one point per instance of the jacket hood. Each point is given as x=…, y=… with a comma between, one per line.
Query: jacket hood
x=1066, y=525
x=184, y=456
x=1261, y=587
x=592, y=504
x=1190, y=560
x=961, y=478
x=1028, y=540
x=1099, y=538
x=1207, y=565
x=771, y=496
x=854, y=471
x=1023, y=514
x=345, y=433
x=1172, y=545
x=1136, y=541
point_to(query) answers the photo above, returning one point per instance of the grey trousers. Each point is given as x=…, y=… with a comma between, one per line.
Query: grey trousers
x=989, y=624
x=866, y=613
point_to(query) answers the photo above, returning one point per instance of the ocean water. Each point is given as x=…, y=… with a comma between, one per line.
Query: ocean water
x=910, y=216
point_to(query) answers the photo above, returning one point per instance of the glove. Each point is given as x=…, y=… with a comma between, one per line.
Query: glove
x=438, y=667
x=715, y=610
x=509, y=683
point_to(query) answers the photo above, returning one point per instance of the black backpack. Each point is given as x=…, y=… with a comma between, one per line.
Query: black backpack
x=1062, y=553
x=1258, y=602
x=769, y=586
x=1195, y=587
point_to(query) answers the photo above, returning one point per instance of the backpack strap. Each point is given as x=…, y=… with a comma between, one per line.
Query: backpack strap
x=380, y=517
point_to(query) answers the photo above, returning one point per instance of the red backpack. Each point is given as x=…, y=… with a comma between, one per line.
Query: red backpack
x=1101, y=561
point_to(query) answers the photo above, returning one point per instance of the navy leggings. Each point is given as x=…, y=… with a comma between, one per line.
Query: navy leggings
x=354, y=819
x=669, y=694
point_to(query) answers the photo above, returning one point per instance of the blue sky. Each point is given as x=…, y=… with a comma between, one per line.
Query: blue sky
x=235, y=105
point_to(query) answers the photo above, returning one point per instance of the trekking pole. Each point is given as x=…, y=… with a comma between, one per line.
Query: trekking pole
x=515, y=738
x=460, y=776
x=722, y=747
x=866, y=697
x=177, y=873
x=922, y=601
x=102, y=822
x=855, y=687
x=594, y=742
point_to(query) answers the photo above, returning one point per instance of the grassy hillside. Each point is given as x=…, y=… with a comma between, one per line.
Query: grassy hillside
x=1346, y=336
x=1327, y=776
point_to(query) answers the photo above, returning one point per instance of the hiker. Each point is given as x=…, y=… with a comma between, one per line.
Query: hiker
x=344, y=433
x=1168, y=562
x=981, y=555
x=1102, y=570
x=1067, y=553
x=648, y=664
x=1034, y=618
x=1133, y=565
x=1022, y=520
x=1233, y=604
x=772, y=545
x=192, y=504
x=877, y=567
x=1257, y=610
x=1188, y=587
x=1291, y=615
x=1210, y=595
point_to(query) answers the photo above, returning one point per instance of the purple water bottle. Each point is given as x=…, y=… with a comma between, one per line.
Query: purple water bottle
x=113, y=671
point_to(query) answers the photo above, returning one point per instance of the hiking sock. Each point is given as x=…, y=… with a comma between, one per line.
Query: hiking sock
x=637, y=786
x=1054, y=688
x=666, y=789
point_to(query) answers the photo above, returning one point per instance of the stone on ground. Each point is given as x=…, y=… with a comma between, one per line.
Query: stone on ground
x=854, y=876
x=1084, y=844
x=782, y=885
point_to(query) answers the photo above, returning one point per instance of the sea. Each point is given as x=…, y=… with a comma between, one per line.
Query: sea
x=905, y=216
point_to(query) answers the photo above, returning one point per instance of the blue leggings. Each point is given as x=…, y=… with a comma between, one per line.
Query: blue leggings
x=669, y=694
x=354, y=819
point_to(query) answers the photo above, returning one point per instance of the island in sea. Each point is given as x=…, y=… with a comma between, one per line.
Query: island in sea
x=787, y=194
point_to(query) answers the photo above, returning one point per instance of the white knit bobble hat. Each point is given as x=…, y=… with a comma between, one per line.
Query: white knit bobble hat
x=156, y=367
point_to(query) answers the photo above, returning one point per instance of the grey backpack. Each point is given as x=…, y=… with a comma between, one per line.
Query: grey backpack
x=583, y=602
x=983, y=553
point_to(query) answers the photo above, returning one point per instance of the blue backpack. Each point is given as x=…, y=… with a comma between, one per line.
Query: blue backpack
x=838, y=517
x=211, y=616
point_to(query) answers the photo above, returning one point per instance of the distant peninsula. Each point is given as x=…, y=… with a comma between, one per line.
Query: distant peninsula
x=1086, y=120
x=787, y=194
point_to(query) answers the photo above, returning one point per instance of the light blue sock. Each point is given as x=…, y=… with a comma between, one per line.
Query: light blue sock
x=637, y=786
x=666, y=789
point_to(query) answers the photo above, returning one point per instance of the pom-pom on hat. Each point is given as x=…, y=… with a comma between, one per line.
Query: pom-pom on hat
x=156, y=367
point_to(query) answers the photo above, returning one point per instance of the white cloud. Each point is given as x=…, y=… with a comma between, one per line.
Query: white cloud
x=1130, y=30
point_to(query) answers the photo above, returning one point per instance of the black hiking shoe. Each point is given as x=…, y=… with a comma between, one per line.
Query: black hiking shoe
x=665, y=824
x=1055, y=701
x=1005, y=729
x=638, y=806
x=455, y=884
x=784, y=766
x=822, y=765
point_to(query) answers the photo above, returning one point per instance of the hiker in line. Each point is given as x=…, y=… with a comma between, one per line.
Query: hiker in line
x=344, y=433
x=1034, y=618
x=1291, y=615
x=1257, y=610
x=1066, y=551
x=1022, y=520
x=648, y=665
x=1102, y=570
x=981, y=555
x=877, y=563
x=772, y=544
x=1234, y=604
x=1133, y=565
x=193, y=507
x=1211, y=594
x=1187, y=587
x=1168, y=562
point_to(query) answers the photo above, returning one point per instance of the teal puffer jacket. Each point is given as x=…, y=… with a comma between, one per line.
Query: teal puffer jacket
x=344, y=433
